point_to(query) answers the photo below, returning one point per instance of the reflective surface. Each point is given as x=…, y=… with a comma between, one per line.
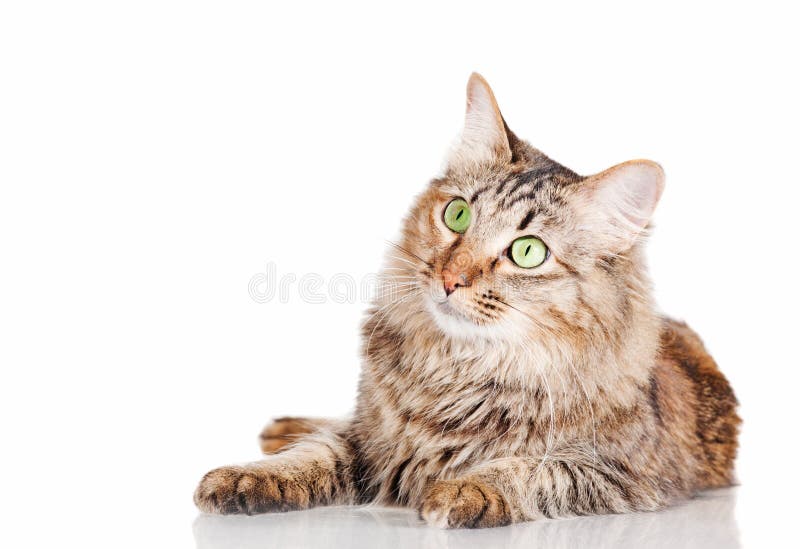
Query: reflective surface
x=706, y=522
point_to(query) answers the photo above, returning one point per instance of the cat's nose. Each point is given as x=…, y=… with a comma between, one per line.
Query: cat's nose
x=453, y=280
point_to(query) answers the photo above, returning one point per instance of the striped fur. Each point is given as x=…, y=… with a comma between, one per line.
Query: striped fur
x=547, y=392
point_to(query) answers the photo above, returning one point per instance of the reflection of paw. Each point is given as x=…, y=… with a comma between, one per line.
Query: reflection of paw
x=282, y=432
x=243, y=490
x=464, y=504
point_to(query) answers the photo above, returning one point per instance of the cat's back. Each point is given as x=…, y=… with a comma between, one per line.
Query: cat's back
x=696, y=400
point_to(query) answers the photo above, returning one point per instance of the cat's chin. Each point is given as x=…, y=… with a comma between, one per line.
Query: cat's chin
x=456, y=324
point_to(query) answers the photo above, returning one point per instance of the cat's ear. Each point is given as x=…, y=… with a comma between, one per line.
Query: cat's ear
x=483, y=139
x=616, y=205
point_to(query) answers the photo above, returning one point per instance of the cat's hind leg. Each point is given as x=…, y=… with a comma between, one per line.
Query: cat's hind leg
x=283, y=431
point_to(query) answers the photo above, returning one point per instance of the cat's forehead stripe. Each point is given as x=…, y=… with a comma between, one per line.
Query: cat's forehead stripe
x=537, y=176
x=477, y=193
x=530, y=193
x=525, y=220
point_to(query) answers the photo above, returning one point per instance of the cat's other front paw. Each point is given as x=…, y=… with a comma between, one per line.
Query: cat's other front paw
x=464, y=504
x=249, y=491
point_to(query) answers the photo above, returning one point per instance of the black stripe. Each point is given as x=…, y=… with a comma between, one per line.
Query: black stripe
x=394, y=487
x=573, y=483
x=477, y=193
x=446, y=455
x=595, y=505
x=569, y=268
x=479, y=516
x=500, y=187
x=607, y=263
x=541, y=503
x=360, y=474
x=524, y=178
x=611, y=479
x=525, y=221
x=533, y=193
x=241, y=499
x=281, y=496
x=653, y=396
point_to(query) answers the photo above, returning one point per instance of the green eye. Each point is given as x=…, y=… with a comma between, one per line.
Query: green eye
x=528, y=252
x=457, y=215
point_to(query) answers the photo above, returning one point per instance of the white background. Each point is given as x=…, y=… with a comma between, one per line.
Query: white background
x=155, y=156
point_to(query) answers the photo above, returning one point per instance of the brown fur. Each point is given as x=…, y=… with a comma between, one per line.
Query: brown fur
x=283, y=431
x=522, y=393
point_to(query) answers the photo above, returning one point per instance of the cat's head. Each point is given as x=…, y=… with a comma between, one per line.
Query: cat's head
x=507, y=241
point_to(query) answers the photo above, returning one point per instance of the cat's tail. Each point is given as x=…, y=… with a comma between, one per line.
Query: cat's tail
x=284, y=431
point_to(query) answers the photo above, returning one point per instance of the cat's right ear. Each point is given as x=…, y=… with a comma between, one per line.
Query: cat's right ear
x=483, y=139
x=615, y=206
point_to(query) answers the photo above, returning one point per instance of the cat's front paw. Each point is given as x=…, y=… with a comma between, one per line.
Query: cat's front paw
x=249, y=491
x=464, y=504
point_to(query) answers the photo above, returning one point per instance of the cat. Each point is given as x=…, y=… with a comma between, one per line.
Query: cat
x=519, y=368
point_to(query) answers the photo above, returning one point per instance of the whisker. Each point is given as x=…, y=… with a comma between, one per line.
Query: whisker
x=386, y=309
x=412, y=254
x=405, y=260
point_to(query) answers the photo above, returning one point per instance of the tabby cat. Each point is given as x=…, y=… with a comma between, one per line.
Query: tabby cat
x=519, y=368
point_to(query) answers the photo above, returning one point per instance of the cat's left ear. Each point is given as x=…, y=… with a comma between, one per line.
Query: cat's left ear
x=484, y=139
x=616, y=205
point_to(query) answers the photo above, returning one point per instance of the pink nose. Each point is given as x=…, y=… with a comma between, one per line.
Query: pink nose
x=453, y=280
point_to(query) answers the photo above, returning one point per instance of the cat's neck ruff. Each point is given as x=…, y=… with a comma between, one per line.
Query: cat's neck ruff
x=528, y=361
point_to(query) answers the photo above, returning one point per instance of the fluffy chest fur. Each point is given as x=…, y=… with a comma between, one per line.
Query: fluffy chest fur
x=432, y=407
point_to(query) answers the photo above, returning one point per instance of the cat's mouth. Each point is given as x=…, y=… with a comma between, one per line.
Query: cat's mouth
x=443, y=304
x=446, y=307
x=451, y=317
x=453, y=320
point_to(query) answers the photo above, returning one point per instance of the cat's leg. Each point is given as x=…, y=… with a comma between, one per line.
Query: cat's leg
x=517, y=489
x=286, y=430
x=317, y=470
